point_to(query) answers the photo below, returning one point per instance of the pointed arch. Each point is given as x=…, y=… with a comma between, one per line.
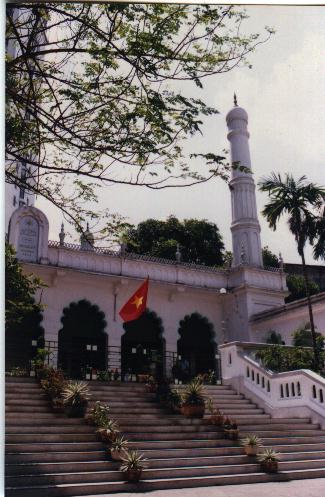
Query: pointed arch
x=196, y=346
x=143, y=346
x=82, y=339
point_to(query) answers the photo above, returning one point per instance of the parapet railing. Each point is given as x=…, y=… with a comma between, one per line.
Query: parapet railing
x=301, y=388
x=148, y=258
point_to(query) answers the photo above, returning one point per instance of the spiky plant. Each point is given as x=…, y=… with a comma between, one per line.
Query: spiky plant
x=194, y=393
x=133, y=460
x=251, y=441
x=75, y=393
x=269, y=455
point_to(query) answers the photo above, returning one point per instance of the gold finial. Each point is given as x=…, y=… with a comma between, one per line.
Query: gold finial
x=235, y=100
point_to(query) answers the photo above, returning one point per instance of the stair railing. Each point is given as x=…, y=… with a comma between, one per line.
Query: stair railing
x=277, y=392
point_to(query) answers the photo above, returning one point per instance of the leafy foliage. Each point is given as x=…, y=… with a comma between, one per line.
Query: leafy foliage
x=194, y=393
x=280, y=359
x=103, y=100
x=199, y=241
x=274, y=337
x=22, y=312
x=297, y=287
x=302, y=337
x=302, y=203
x=269, y=259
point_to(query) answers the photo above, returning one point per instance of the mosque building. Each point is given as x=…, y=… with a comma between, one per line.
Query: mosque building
x=191, y=309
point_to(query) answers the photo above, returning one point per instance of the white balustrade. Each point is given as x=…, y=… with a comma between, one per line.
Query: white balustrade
x=296, y=389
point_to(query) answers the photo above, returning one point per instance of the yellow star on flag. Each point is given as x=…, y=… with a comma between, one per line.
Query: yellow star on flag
x=137, y=301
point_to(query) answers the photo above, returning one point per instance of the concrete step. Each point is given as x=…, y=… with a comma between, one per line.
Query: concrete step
x=280, y=434
x=179, y=444
x=150, y=474
x=24, y=408
x=23, y=438
x=171, y=436
x=37, y=401
x=50, y=429
x=40, y=468
x=278, y=426
x=92, y=489
x=53, y=447
x=44, y=419
x=161, y=429
x=51, y=457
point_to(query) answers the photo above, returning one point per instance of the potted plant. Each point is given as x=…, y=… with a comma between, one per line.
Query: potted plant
x=98, y=415
x=251, y=444
x=269, y=460
x=151, y=385
x=133, y=465
x=53, y=385
x=118, y=448
x=193, y=400
x=75, y=397
x=175, y=400
x=230, y=429
x=108, y=431
x=216, y=416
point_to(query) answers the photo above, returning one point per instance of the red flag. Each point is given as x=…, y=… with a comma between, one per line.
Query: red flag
x=136, y=305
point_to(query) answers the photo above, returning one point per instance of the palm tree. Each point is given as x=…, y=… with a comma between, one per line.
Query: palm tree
x=299, y=200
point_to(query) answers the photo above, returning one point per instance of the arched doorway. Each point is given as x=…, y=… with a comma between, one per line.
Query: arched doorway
x=142, y=346
x=23, y=340
x=82, y=339
x=196, y=347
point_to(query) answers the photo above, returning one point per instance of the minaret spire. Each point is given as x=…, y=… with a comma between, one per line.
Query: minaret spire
x=245, y=226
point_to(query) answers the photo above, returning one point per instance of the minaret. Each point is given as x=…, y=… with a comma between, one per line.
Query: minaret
x=245, y=227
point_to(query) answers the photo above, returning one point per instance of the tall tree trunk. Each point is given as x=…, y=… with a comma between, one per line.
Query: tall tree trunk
x=310, y=309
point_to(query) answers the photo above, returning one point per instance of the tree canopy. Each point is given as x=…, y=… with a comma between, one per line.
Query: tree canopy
x=199, y=241
x=297, y=287
x=21, y=310
x=103, y=94
x=302, y=202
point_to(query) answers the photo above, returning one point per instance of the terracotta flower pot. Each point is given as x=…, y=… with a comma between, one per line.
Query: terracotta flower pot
x=251, y=450
x=193, y=411
x=270, y=466
x=231, y=434
x=133, y=475
x=117, y=455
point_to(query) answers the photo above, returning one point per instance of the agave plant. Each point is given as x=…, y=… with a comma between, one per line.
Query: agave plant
x=251, y=441
x=133, y=461
x=269, y=455
x=194, y=393
x=269, y=460
x=251, y=444
x=119, y=443
x=75, y=397
x=109, y=430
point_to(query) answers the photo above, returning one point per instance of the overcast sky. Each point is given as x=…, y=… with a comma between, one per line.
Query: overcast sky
x=284, y=96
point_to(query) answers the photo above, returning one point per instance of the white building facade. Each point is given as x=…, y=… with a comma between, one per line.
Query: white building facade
x=229, y=299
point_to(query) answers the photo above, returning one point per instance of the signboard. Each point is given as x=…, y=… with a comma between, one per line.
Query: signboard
x=27, y=249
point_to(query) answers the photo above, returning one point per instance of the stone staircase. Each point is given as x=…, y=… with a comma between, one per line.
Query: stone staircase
x=49, y=455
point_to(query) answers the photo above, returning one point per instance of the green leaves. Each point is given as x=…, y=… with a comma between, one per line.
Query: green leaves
x=104, y=94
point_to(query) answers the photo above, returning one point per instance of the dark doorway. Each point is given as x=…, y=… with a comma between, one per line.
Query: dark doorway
x=23, y=340
x=82, y=339
x=142, y=346
x=196, y=347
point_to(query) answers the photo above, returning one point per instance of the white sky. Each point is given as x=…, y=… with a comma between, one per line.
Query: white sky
x=284, y=96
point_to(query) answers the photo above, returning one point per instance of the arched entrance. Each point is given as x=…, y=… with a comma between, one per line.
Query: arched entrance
x=196, y=347
x=23, y=340
x=142, y=346
x=82, y=339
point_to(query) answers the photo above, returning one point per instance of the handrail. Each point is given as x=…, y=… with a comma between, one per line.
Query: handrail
x=289, y=389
